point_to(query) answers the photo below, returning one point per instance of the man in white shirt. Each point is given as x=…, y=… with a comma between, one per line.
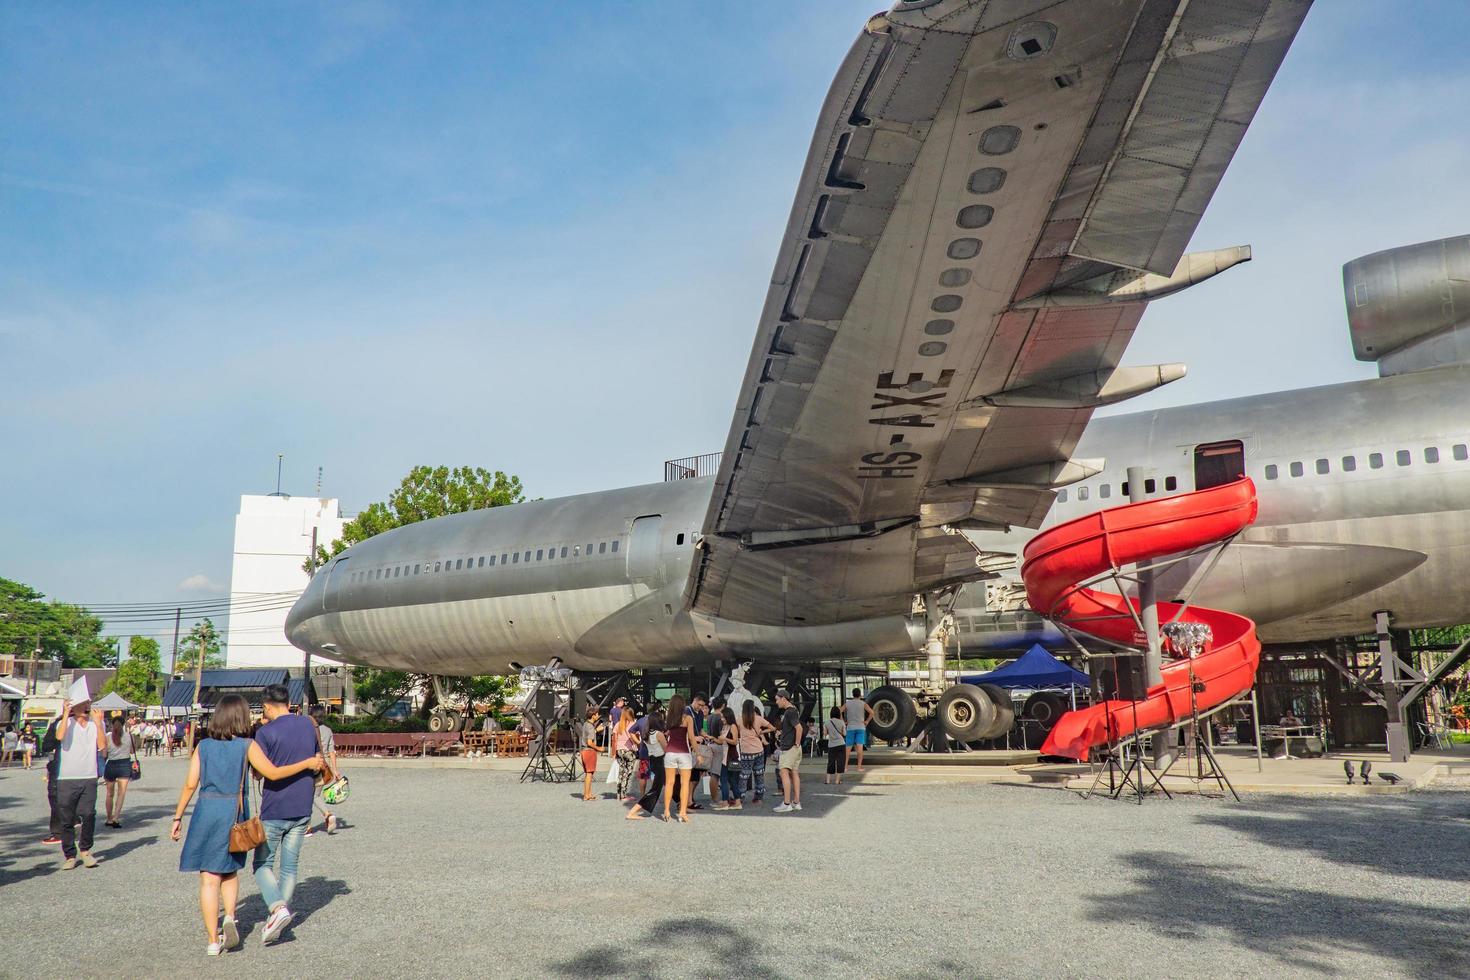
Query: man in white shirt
x=82, y=736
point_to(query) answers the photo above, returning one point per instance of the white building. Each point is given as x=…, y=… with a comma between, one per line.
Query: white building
x=272, y=541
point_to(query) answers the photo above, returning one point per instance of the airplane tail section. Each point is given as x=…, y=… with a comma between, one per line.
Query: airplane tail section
x=1059, y=560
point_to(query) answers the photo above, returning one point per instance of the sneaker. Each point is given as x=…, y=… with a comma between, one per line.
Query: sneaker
x=278, y=921
x=796, y=806
x=212, y=949
x=782, y=808
x=230, y=934
x=53, y=839
x=89, y=860
x=331, y=824
x=68, y=864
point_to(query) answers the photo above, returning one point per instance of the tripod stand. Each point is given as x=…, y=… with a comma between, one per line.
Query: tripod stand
x=1202, y=752
x=1130, y=772
x=549, y=704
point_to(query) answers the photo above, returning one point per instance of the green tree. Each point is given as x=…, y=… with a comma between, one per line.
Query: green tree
x=65, y=632
x=136, y=675
x=427, y=492
x=424, y=493
x=202, y=633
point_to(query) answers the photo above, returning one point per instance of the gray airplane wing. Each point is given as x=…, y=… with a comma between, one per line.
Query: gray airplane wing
x=994, y=190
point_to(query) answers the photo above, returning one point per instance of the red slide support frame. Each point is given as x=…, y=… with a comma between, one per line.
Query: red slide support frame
x=1058, y=560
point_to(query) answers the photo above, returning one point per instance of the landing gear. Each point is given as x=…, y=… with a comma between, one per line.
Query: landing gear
x=894, y=713
x=966, y=713
x=445, y=718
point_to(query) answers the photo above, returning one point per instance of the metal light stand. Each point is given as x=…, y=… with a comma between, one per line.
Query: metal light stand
x=543, y=761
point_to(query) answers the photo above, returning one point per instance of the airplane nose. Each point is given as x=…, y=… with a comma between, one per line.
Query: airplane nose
x=307, y=606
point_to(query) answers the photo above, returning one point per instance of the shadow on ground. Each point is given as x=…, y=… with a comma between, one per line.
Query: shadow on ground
x=1304, y=929
x=1362, y=833
x=703, y=947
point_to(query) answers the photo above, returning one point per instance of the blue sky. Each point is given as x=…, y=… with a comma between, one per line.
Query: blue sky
x=531, y=237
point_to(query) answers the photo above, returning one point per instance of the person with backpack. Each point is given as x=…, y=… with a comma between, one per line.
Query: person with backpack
x=218, y=770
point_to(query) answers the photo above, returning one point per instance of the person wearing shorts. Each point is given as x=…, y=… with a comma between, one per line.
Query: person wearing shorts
x=788, y=762
x=590, y=728
x=679, y=758
x=857, y=713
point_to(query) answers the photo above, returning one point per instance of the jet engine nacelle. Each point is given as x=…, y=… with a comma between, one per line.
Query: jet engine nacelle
x=1409, y=308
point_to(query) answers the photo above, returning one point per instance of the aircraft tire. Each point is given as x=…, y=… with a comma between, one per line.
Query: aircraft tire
x=1005, y=711
x=437, y=721
x=966, y=713
x=1045, y=708
x=453, y=721
x=894, y=712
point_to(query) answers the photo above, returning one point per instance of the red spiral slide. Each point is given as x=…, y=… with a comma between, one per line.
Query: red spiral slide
x=1057, y=560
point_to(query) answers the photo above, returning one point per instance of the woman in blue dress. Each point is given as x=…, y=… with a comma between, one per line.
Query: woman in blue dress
x=217, y=770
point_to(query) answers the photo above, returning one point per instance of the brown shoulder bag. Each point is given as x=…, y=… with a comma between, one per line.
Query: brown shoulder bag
x=245, y=835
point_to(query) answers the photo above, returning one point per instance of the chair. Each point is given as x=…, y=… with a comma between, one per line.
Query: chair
x=1437, y=733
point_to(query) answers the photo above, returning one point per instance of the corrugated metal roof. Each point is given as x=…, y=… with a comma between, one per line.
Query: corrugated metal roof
x=213, y=684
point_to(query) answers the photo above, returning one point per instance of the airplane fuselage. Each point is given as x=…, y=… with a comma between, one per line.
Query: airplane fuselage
x=1363, y=492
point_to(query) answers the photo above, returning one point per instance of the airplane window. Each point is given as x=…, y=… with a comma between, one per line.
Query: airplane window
x=563, y=551
x=415, y=569
x=1375, y=461
x=1083, y=493
x=492, y=561
x=459, y=564
x=1296, y=469
x=396, y=571
x=1170, y=483
x=503, y=558
x=589, y=547
x=1271, y=471
x=602, y=547
x=1431, y=455
x=615, y=544
x=1402, y=457
x=515, y=558
x=1149, y=485
x=1123, y=490
x=576, y=551
x=380, y=575
x=482, y=561
x=1349, y=464
x=1460, y=452
x=1322, y=466
x=1061, y=496
x=538, y=554
x=1105, y=491
x=528, y=554
x=679, y=538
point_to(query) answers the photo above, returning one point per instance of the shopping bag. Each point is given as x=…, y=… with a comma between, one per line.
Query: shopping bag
x=612, y=772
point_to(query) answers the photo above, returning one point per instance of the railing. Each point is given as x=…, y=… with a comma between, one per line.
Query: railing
x=690, y=467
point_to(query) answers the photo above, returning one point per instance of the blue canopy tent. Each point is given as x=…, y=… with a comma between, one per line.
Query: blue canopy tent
x=1036, y=668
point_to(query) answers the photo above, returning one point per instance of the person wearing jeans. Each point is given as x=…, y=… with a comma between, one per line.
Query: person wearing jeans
x=285, y=806
x=82, y=737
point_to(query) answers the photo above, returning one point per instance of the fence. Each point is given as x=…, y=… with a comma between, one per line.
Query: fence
x=689, y=467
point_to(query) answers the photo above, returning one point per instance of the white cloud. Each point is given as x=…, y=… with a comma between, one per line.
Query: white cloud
x=200, y=583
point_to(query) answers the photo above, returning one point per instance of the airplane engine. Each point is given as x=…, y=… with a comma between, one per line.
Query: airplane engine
x=1409, y=307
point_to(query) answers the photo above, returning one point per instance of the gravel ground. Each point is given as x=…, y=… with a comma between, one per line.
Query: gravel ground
x=446, y=872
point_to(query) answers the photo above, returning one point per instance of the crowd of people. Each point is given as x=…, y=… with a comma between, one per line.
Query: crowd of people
x=672, y=753
x=285, y=751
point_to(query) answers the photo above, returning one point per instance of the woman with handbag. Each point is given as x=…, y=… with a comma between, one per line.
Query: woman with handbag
x=218, y=769
x=118, y=769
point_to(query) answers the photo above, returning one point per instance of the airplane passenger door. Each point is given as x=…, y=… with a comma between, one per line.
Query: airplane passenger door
x=1218, y=463
x=332, y=589
x=643, y=561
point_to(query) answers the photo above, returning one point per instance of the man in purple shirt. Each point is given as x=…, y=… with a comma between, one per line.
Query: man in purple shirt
x=285, y=806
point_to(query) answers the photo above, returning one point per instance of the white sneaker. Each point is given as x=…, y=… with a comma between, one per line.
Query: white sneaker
x=230, y=934
x=796, y=806
x=212, y=949
x=782, y=808
x=279, y=920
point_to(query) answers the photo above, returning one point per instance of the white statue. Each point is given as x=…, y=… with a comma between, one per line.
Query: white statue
x=738, y=694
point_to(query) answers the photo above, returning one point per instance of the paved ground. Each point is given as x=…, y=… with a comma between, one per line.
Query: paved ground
x=448, y=872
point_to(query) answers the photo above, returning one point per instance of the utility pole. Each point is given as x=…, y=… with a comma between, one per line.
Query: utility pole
x=310, y=574
x=174, y=660
x=1148, y=614
x=198, y=676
